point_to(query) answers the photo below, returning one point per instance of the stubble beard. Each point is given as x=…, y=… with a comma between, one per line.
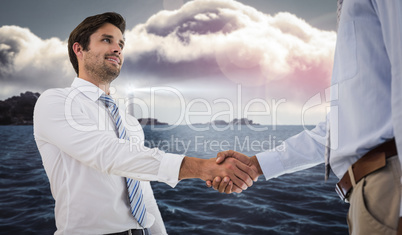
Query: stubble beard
x=101, y=71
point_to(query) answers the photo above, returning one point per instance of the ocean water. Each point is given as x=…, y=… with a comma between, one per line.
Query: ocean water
x=298, y=203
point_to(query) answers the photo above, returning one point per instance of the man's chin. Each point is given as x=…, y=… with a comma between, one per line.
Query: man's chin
x=114, y=69
x=113, y=72
x=110, y=76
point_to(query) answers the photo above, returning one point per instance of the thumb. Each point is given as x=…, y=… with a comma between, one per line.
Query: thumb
x=220, y=157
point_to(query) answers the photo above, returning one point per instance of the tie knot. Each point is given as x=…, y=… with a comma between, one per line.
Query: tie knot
x=107, y=100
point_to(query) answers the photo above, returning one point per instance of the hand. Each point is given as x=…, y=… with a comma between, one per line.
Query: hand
x=251, y=162
x=225, y=185
x=240, y=174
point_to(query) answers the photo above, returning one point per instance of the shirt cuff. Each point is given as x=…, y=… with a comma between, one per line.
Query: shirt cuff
x=169, y=169
x=270, y=164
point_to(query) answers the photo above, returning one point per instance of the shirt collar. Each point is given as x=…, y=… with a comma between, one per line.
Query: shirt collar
x=87, y=88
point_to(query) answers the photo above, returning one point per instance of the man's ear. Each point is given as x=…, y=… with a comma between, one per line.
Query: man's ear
x=77, y=48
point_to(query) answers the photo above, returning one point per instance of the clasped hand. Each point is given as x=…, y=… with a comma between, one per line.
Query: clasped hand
x=240, y=170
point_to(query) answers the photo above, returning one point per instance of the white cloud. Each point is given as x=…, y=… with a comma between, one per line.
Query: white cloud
x=241, y=39
x=241, y=42
x=279, y=56
x=31, y=63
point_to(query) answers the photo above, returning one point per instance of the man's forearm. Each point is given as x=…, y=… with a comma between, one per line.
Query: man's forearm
x=190, y=168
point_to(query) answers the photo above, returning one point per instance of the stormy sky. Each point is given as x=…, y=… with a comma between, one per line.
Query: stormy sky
x=187, y=61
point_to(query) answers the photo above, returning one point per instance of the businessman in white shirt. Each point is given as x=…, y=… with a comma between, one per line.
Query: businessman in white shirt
x=86, y=159
x=364, y=126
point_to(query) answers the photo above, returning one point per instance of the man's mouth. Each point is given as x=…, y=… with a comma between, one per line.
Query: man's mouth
x=113, y=59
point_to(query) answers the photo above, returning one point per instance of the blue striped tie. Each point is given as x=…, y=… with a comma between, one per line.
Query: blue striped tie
x=134, y=189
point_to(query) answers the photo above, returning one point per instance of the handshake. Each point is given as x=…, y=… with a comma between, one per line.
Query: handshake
x=229, y=172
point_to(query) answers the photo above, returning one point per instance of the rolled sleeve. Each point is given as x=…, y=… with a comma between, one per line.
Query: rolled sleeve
x=169, y=169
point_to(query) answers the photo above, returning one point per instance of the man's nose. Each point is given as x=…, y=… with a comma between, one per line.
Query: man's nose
x=117, y=49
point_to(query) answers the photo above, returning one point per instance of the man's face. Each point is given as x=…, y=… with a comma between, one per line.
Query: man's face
x=104, y=57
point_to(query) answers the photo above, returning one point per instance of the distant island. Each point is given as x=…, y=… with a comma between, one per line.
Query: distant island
x=236, y=121
x=150, y=121
x=241, y=121
x=18, y=110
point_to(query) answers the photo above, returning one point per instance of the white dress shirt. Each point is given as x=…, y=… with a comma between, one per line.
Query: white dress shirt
x=366, y=93
x=86, y=162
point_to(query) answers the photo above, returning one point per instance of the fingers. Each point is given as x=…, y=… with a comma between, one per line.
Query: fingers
x=236, y=174
x=229, y=168
x=229, y=188
x=251, y=172
x=225, y=185
x=232, y=175
x=241, y=157
x=240, y=182
x=251, y=165
x=236, y=189
x=216, y=182
x=221, y=156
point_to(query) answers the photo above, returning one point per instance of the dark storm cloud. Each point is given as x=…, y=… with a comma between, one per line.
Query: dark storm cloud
x=9, y=47
x=31, y=63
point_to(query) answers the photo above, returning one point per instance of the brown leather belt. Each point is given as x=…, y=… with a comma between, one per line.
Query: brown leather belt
x=374, y=160
x=133, y=232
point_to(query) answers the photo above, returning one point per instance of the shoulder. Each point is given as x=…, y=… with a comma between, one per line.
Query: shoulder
x=49, y=107
x=50, y=97
x=54, y=93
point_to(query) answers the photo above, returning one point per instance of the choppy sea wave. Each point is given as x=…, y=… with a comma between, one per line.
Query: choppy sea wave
x=298, y=203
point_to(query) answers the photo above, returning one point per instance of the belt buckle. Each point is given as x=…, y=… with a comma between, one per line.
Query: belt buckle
x=341, y=194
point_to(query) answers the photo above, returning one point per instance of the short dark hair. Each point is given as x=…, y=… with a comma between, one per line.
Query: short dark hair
x=86, y=28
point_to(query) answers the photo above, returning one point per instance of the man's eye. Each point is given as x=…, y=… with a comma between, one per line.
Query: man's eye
x=106, y=40
x=121, y=46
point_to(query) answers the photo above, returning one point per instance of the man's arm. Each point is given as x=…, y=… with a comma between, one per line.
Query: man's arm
x=299, y=152
x=84, y=140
